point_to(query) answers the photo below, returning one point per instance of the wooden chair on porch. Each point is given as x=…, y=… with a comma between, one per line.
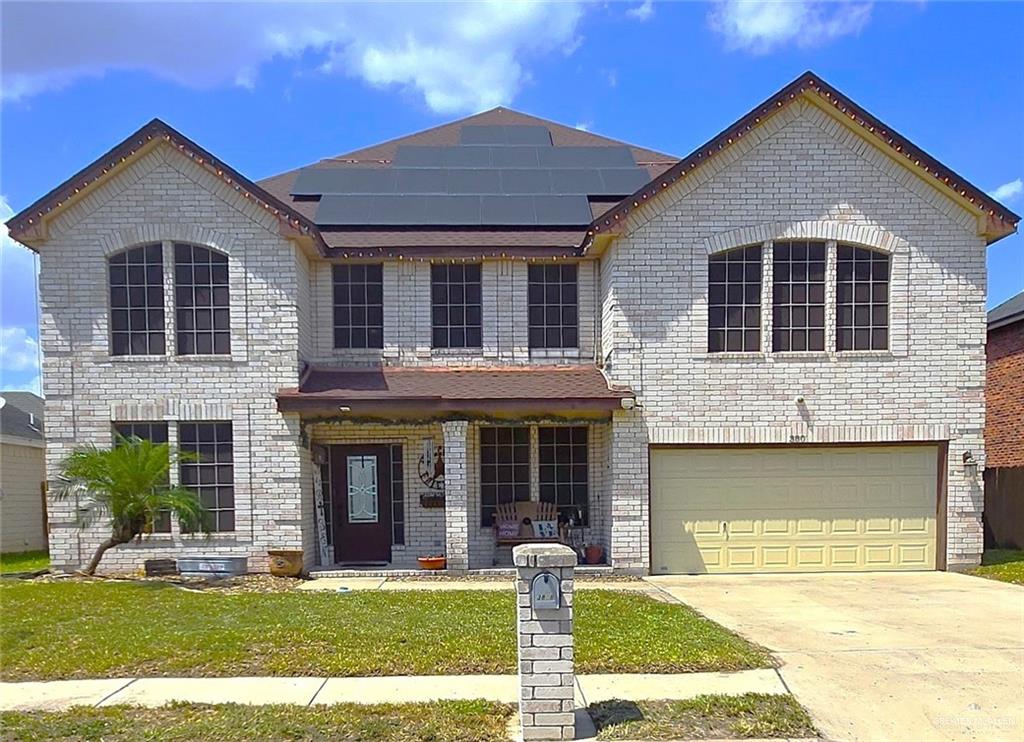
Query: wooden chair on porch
x=519, y=523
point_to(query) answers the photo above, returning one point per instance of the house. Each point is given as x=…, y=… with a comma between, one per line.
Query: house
x=22, y=473
x=765, y=356
x=1004, y=426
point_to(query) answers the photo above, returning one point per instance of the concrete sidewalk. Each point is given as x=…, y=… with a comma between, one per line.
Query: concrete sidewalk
x=61, y=694
x=334, y=584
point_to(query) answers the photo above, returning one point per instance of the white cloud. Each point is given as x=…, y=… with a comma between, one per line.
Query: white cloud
x=643, y=11
x=19, y=351
x=458, y=56
x=760, y=26
x=584, y=125
x=1008, y=191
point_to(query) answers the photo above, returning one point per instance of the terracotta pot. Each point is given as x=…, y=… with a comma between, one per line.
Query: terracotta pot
x=438, y=562
x=594, y=554
x=285, y=563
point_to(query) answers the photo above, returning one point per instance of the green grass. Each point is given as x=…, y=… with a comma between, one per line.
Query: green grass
x=23, y=561
x=93, y=629
x=704, y=717
x=1006, y=565
x=443, y=721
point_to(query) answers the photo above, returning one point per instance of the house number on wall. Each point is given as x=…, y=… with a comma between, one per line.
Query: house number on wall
x=545, y=592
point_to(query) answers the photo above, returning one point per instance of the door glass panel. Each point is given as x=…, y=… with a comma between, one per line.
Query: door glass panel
x=362, y=489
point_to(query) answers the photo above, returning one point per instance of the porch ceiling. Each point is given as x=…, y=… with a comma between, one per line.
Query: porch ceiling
x=442, y=391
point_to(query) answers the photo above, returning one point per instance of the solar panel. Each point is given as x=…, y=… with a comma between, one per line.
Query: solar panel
x=525, y=157
x=562, y=210
x=505, y=135
x=622, y=181
x=577, y=180
x=421, y=180
x=525, y=181
x=345, y=209
x=474, y=181
x=558, y=157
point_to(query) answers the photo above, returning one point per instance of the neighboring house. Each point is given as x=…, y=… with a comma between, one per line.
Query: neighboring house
x=765, y=356
x=1004, y=426
x=22, y=473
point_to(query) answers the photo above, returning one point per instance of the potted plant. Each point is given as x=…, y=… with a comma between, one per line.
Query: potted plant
x=433, y=562
x=593, y=554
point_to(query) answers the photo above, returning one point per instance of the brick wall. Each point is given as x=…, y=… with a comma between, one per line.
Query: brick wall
x=407, y=325
x=1004, y=396
x=164, y=197
x=801, y=174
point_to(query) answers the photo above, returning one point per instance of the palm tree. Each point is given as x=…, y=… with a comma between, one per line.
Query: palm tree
x=130, y=485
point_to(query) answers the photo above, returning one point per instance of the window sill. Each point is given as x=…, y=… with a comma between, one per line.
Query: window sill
x=864, y=354
x=796, y=355
x=168, y=358
x=753, y=355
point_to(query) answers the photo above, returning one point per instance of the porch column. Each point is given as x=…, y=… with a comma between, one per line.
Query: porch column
x=630, y=515
x=456, y=494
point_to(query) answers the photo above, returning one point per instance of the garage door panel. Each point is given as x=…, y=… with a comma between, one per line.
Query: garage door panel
x=805, y=510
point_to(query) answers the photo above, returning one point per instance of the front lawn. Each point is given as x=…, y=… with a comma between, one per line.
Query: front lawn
x=704, y=717
x=457, y=721
x=96, y=629
x=23, y=561
x=1006, y=565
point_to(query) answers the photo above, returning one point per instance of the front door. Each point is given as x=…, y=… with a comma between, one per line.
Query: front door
x=361, y=501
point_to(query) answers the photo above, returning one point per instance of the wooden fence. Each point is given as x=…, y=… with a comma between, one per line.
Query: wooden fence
x=1004, y=508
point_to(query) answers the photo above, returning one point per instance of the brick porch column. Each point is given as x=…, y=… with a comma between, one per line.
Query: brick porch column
x=456, y=494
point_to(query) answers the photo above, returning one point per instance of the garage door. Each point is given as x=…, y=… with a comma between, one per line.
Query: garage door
x=782, y=509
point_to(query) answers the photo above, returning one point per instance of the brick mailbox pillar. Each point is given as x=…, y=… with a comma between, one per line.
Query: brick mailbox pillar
x=544, y=587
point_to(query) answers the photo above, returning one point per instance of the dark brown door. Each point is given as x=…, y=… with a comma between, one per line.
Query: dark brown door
x=361, y=502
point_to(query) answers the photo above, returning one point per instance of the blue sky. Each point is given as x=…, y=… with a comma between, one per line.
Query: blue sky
x=271, y=86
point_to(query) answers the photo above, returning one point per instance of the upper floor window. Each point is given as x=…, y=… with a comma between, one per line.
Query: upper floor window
x=553, y=306
x=734, y=300
x=203, y=306
x=504, y=469
x=862, y=299
x=455, y=306
x=358, y=306
x=155, y=432
x=798, y=296
x=137, y=301
x=563, y=470
x=212, y=474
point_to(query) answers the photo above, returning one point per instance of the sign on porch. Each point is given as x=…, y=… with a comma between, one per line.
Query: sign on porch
x=431, y=466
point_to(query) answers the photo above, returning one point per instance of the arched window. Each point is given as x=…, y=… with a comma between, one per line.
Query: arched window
x=734, y=300
x=203, y=311
x=862, y=299
x=137, y=301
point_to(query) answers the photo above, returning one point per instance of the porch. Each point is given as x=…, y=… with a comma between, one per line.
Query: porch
x=407, y=478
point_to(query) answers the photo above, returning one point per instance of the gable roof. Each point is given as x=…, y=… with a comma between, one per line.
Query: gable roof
x=28, y=225
x=1002, y=221
x=21, y=415
x=1007, y=313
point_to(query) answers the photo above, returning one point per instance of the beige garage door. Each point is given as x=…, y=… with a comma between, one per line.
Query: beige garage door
x=781, y=509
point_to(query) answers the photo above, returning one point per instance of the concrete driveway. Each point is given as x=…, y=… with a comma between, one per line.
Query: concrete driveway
x=906, y=656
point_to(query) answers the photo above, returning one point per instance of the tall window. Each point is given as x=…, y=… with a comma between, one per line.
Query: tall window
x=553, y=310
x=504, y=469
x=563, y=468
x=212, y=475
x=734, y=300
x=203, y=305
x=862, y=299
x=455, y=306
x=137, y=301
x=397, y=495
x=156, y=433
x=798, y=296
x=358, y=306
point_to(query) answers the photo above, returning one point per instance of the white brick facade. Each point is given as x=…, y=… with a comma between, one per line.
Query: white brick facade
x=642, y=314
x=799, y=175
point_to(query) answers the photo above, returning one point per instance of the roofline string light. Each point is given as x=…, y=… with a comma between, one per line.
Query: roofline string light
x=904, y=148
